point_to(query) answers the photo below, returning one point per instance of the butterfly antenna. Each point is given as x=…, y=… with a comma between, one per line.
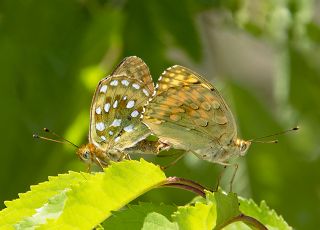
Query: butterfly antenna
x=258, y=140
x=64, y=140
x=265, y=142
x=36, y=136
x=58, y=136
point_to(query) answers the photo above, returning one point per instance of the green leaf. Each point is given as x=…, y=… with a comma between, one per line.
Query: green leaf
x=213, y=212
x=73, y=205
x=219, y=210
x=199, y=216
x=51, y=210
x=133, y=216
x=264, y=214
x=158, y=222
x=37, y=197
x=227, y=207
x=82, y=200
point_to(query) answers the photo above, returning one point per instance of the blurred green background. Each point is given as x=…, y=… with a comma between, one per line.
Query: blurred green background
x=262, y=55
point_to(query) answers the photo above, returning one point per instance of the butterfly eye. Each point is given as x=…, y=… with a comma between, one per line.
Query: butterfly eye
x=86, y=155
x=243, y=147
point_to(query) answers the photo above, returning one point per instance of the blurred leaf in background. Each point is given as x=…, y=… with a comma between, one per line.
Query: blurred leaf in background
x=263, y=56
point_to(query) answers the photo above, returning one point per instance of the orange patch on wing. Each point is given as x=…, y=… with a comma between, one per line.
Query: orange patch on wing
x=177, y=110
x=194, y=106
x=206, y=106
x=204, y=114
x=201, y=122
x=175, y=117
x=193, y=113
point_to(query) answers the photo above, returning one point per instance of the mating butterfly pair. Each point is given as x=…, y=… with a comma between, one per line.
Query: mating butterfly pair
x=184, y=111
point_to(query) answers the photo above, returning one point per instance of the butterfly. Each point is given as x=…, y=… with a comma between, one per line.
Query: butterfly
x=187, y=112
x=115, y=126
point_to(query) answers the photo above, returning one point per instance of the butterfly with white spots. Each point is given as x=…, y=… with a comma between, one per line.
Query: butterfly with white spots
x=117, y=104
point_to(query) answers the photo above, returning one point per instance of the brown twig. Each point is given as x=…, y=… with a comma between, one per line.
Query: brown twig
x=185, y=184
x=245, y=219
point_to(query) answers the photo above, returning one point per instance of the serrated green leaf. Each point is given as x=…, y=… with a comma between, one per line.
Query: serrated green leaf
x=134, y=215
x=226, y=211
x=88, y=204
x=238, y=226
x=78, y=200
x=157, y=221
x=199, y=216
x=28, y=202
x=264, y=214
x=50, y=210
x=227, y=207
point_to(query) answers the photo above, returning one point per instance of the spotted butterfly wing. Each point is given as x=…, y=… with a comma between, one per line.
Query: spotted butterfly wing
x=116, y=108
x=136, y=69
x=188, y=113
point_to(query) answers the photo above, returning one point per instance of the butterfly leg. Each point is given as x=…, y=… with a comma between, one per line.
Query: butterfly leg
x=88, y=168
x=99, y=162
x=127, y=156
x=173, y=162
x=168, y=155
x=236, y=166
x=219, y=178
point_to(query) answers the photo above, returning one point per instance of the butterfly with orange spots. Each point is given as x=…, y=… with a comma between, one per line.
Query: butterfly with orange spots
x=188, y=113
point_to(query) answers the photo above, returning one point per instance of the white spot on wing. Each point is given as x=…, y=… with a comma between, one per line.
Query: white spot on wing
x=117, y=139
x=104, y=89
x=128, y=128
x=135, y=113
x=125, y=82
x=110, y=133
x=146, y=92
x=124, y=98
x=130, y=104
x=116, y=122
x=98, y=110
x=115, y=104
x=100, y=126
x=114, y=83
x=107, y=107
x=136, y=86
x=103, y=138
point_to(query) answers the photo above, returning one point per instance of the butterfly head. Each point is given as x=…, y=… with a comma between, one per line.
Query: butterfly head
x=90, y=154
x=86, y=153
x=242, y=146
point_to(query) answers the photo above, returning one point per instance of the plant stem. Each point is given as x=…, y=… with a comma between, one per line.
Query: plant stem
x=185, y=184
x=248, y=220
